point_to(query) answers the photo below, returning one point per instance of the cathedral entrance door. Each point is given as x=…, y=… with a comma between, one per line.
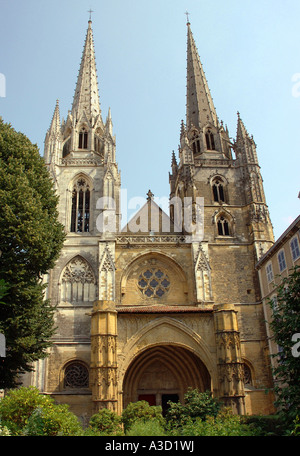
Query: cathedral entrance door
x=163, y=373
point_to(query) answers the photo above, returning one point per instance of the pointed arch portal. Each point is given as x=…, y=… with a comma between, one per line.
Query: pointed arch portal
x=163, y=373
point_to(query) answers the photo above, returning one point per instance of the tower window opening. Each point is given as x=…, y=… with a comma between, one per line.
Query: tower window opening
x=196, y=146
x=218, y=191
x=83, y=139
x=223, y=227
x=80, y=212
x=210, y=142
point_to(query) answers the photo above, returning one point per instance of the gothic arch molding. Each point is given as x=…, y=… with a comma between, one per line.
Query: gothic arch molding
x=170, y=364
x=166, y=332
x=77, y=282
x=151, y=255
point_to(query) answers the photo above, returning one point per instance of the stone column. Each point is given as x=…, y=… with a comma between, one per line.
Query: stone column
x=230, y=365
x=104, y=356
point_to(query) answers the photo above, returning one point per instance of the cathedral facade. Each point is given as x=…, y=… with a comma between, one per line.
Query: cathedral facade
x=171, y=300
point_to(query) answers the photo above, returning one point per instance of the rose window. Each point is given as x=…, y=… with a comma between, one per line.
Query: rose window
x=154, y=283
x=76, y=376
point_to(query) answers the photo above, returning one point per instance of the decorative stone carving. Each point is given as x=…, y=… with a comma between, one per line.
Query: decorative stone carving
x=78, y=283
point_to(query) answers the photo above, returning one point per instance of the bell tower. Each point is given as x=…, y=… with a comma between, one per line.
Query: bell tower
x=81, y=152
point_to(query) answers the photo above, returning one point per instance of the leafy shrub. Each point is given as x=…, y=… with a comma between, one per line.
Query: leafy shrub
x=197, y=405
x=26, y=411
x=106, y=422
x=18, y=405
x=4, y=431
x=148, y=427
x=296, y=429
x=141, y=410
x=224, y=424
x=53, y=421
x=266, y=425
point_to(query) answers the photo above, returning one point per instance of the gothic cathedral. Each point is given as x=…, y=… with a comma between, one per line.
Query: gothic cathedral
x=147, y=310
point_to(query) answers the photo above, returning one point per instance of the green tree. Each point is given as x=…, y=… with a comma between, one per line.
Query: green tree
x=285, y=326
x=31, y=239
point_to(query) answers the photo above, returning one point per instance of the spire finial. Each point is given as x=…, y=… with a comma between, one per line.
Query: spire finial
x=187, y=17
x=150, y=195
x=90, y=11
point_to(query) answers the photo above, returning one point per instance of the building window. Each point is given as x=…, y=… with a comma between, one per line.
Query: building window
x=76, y=375
x=218, y=191
x=295, y=248
x=247, y=375
x=210, y=142
x=83, y=139
x=223, y=227
x=154, y=283
x=269, y=272
x=281, y=261
x=80, y=212
x=78, y=284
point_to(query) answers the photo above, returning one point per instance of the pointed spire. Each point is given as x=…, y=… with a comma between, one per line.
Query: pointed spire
x=174, y=161
x=241, y=129
x=86, y=97
x=109, y=125
x=55, y=123
x=200, y=107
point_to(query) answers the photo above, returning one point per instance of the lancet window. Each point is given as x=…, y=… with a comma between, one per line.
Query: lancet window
x=223, y=227
x=210, y=141
x=83, y=139
x=218, y=191
x=80, y=212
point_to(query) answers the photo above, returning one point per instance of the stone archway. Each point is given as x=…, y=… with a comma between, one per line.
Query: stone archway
x=162, y=373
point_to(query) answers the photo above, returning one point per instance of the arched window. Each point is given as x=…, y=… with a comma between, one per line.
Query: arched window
x=76, y=375
x=80, y=212
x=218, y=191
x=210, y=142
x=83, y=139
x=223, y=227
x=196, y=143
x=78, y=283
x=247, y=375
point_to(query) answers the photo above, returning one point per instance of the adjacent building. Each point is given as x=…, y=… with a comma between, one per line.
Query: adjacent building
x=273, y=267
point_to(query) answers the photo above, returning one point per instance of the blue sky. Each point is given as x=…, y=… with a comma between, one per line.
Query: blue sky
x=250, y=51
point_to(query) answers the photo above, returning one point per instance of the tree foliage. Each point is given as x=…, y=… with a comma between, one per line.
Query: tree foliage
x=285, y=325
x=106, y=422
x=141, y=411
x=31, y=239
x=25, y=411
x=197, y=405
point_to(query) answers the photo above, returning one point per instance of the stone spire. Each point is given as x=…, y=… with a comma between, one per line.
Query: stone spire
x=54, y=129
x=53, y=137
x=200, y=108
x=86, y=97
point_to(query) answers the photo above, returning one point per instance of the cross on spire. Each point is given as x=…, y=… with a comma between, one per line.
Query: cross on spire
x=187, y=16
x=90, y=11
